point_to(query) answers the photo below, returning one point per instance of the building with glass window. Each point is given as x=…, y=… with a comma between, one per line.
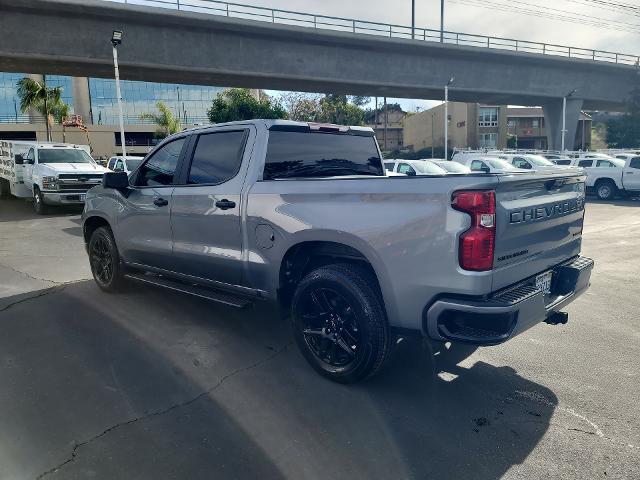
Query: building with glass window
x=526, y=128
x=96, y=101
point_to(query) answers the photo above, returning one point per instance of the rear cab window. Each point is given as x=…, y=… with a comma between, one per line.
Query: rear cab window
x=310, y=154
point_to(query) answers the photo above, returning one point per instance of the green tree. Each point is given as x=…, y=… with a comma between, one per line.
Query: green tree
x=60, y=111
x=239, y=104
x=624, y=131
x=37, y=95
x=337, y=109
x=167, y=122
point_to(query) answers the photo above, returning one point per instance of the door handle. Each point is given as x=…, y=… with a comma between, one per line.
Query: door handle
x=225, y=204
x=161, y=202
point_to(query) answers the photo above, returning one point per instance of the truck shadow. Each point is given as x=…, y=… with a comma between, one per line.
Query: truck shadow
x=13, y=209
x=151, y=384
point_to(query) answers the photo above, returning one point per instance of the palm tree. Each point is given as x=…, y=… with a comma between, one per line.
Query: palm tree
x=37, y=95
x=165, y=119
x=60, y=111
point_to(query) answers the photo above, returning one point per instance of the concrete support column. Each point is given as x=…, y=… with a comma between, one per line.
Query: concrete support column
x=553, y=122
x=82, y=99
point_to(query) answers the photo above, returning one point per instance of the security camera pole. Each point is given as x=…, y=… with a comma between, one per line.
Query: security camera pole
x=564, y=116
x=116, y=39
x=446, y=118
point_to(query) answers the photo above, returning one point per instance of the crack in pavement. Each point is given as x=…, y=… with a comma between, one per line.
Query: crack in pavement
x=41, y=293
x=27, y=274
x=74, y=452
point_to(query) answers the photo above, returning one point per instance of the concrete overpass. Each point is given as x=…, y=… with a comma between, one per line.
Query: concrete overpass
x=71, y=37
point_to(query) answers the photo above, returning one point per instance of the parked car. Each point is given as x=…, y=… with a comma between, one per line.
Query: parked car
x=305, y=216
x=488, y=165
x=530, y=162
x=452, y=167
x=48, y=173
x=415, y=167
x=608, y=176
x=124, y=164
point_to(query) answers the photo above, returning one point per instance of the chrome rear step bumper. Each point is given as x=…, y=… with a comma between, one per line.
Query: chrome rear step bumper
x=510, y=311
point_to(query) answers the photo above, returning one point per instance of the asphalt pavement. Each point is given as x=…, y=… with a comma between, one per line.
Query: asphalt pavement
x=149, y=384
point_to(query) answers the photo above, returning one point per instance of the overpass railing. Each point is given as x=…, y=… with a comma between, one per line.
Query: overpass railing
x=352, y=25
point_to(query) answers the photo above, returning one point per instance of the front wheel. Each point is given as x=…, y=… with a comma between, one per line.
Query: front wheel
x=606, y=190
x=105, y=260
x=339, y=323
x=38, y=202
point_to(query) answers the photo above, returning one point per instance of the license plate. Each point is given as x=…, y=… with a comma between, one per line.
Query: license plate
x=543, y=282
x=83, y=197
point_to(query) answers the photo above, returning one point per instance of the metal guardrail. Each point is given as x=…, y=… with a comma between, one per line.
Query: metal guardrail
x=287, y=17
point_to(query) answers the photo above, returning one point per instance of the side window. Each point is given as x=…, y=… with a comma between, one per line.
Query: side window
x=405, y=168
x=389, y=166
x=217, y=157
x=478, y=165
x=119, y=166
x=161, y=166
x=635, y=162
x=604, y=163
x=520, y=162
x=585, y=163
x=110, y=163
x=563, y=162
x=31, y=156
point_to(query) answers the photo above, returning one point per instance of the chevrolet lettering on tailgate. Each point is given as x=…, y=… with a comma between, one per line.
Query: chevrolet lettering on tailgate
x=547, y=211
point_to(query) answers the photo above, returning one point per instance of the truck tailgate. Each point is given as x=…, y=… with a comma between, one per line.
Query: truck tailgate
x=538, y=224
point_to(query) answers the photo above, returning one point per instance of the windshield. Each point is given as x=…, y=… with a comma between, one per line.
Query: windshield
x=133, y=163
x=454, y=167
x=63, y=155
x=427, y=168
x=500, y=164
x=539, y=160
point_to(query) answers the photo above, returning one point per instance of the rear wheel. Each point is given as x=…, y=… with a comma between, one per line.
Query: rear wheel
x=5, y=188
x=105, y=260
x=606, y=189
x=339, y=323
x=38, y=202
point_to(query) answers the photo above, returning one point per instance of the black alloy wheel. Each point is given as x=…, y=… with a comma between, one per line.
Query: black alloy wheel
x=339, y=322
x=104, y=260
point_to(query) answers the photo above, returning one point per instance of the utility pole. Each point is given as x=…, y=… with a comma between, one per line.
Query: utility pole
x=441, y=21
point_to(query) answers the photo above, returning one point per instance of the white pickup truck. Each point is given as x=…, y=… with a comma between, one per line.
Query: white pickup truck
x=48, y=173
x=608, y=176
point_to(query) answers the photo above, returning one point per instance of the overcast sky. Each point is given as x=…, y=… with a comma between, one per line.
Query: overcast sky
x=607, y=28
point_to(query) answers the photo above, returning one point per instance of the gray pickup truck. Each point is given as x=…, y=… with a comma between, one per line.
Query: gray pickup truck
x=304, y=215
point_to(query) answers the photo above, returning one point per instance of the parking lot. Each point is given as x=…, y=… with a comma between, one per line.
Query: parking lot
x=151, y=384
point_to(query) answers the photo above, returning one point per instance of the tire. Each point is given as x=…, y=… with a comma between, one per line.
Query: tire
x=339, y=323
x=606, y=190
x=105, y=260
x=5, y=189
x=38, y=202
x=451, y=353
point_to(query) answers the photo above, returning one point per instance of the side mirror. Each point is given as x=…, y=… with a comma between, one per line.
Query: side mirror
x=19, y=159
x=115, y=180
x=410, y=173
x=485, y=169
x=30, y=161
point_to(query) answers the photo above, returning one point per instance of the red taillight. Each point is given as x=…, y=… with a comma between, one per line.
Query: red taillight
x=478, y=243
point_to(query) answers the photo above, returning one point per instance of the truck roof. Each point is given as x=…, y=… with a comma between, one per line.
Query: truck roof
x=272, y=124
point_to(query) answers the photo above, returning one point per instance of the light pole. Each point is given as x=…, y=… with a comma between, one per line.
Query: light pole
x=413, y=18
x=116, y=39
x=441, y=21
x=564, y=116
x=433, y=119
x=446, y=118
